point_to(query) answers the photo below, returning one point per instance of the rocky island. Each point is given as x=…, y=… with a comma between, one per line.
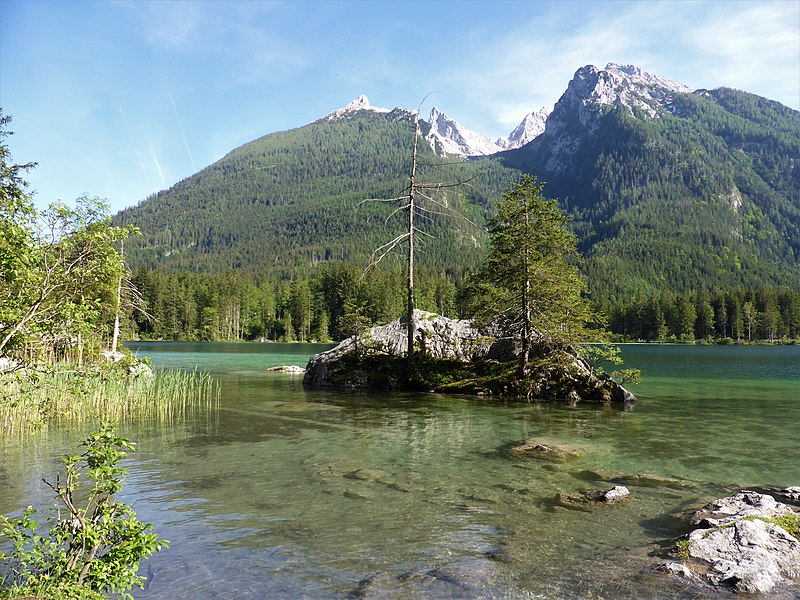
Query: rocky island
x=457, y=356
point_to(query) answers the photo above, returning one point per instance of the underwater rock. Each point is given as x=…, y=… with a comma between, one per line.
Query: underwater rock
x=586, y=498
x=546, y=450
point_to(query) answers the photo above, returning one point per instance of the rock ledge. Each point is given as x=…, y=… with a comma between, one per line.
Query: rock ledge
x=741, y=544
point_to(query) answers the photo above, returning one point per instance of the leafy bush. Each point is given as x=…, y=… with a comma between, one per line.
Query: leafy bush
x=91, y=549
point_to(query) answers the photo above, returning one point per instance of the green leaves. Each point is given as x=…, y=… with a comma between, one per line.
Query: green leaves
x=91, y=547
x=530, y=280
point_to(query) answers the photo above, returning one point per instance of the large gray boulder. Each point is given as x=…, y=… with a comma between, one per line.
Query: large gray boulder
x=439, y=336
x=741, y=544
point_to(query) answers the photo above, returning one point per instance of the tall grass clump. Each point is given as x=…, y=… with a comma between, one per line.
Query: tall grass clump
x=34, y=399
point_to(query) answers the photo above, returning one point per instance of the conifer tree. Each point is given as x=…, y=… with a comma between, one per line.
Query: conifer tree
x=530, y=279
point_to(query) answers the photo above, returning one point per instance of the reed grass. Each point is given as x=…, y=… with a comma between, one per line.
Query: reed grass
x=37, y=400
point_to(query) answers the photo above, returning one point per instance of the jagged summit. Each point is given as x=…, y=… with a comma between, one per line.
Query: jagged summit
x=448, y=136
x=577, y=113
x=531, y=127
x=642, y=77
x=360, y=103
x=621, y=85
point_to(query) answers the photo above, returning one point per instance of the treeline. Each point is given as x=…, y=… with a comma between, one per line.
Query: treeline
x=744, y=315
x=235, y=305
x=338, y=298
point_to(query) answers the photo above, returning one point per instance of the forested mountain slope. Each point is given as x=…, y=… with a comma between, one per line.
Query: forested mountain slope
x=292, y=199
x=672, y=190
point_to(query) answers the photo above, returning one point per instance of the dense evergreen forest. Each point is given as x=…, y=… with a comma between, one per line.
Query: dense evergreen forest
x=291, y=200
x=689, y=224
x=233, y=305
x=706, y=194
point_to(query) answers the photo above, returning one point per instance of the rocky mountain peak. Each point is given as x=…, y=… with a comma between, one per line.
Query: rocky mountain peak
x=448, y=136
x=578, y=111
x=531, y=127
x=622, y=85
x=359, y=104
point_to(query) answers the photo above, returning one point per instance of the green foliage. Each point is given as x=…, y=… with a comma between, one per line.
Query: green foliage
x=125, y=389
x=706, y=196
x=530, y=282
x=59, y=268
x=790, y=523
x=682, y=548
x=739, y=315
x=94, y=546
x=292, y=200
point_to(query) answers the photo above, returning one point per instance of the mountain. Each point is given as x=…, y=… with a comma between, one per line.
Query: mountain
x=359, y=104
x=529, y=129
x=290, y=200
x=448, y=137
x=669, y=188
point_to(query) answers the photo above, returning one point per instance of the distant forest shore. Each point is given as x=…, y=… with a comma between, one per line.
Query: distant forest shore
x=337, y=301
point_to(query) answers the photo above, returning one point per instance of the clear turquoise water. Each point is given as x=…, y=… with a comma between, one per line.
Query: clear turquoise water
x=282, y=492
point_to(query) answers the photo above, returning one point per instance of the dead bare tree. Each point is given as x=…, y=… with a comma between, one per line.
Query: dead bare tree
x=408, y=201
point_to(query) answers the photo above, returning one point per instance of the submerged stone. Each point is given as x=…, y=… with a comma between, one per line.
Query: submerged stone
x=587, y=498
x=547, y=450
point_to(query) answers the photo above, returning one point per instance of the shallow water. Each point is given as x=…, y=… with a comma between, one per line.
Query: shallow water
x=285, y=492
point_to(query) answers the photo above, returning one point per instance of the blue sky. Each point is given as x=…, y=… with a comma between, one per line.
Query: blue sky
x=122, y=99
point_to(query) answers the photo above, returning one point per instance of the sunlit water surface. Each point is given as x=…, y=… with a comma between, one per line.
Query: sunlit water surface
x=282, y=492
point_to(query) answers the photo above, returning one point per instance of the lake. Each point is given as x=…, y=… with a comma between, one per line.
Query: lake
x=282, y=492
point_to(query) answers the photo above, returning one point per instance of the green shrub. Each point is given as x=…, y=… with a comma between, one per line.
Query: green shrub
x=91, y=548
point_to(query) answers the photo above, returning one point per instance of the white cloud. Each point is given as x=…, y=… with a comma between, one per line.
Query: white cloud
x=756, y=49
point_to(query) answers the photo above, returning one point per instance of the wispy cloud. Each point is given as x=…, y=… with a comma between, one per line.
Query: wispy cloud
x=755, y=48
x=156, y=163
x=183, y=134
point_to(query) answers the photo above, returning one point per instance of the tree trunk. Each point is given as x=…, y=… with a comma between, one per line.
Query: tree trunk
x=410, y=307
x=526, y=305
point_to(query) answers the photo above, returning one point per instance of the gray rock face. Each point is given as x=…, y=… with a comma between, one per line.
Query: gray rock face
x=736, y=547
x=440, y=336
x=734, y=508
x=751, y=556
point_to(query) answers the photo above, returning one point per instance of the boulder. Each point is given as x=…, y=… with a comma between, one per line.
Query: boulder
x=746, y=503
x=740, y=544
